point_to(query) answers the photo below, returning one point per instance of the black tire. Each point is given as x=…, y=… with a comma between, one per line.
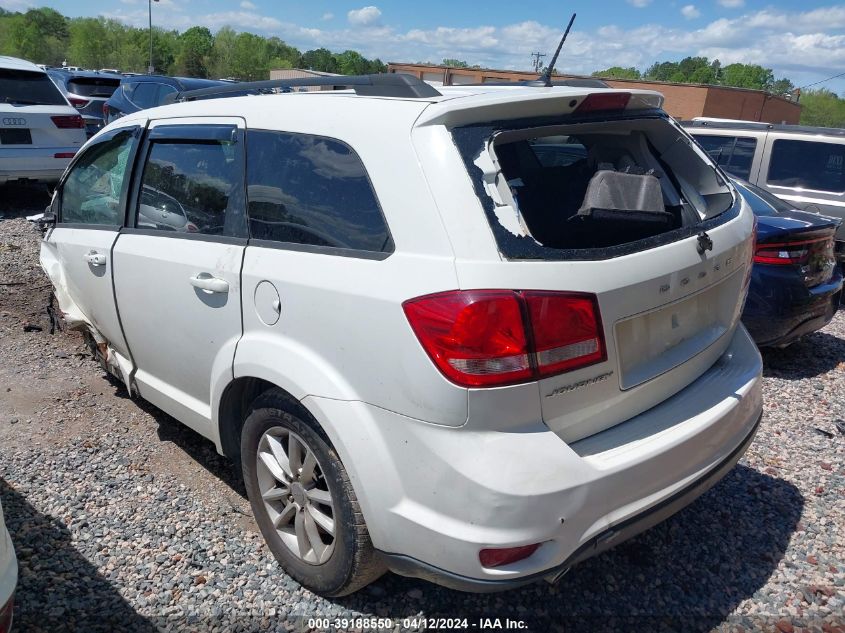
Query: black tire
x=353, y=562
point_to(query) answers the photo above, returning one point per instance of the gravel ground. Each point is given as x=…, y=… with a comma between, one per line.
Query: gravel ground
x=123, y=519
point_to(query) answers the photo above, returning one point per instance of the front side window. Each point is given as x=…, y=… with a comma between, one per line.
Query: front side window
x=734, y=154
x=311, y=190
x=808, y=165
x=192, y=187
x=92, y=190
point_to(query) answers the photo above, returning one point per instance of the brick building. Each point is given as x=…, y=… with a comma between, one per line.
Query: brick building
x=683, y=101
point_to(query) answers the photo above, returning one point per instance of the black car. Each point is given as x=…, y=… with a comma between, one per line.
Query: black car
x=140, y=92
x=795, y=283
x=87, y=91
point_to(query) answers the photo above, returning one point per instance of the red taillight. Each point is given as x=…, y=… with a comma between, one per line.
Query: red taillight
x=77, y=102
x=506, y=556
x=601, y=101
x=791, y=252
x=64, y=155
x=6, y=615
x=566, y=331
x=105, y=110
x=485, y=338
x=476, y=338
x=71, y=121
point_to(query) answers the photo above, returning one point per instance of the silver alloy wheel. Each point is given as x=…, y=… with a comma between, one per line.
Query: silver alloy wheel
x=296, y=495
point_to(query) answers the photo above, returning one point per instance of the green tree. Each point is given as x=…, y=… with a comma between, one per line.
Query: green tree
x=617, y=72
x=352, y=63
x=455, y=63
x=320, y=59
x=195, y=47
x=223, y=53
x=822, y=107
x=747, y=76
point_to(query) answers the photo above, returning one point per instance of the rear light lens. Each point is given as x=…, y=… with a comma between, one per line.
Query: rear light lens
x=6, y=615
x=566, y=330
x=604, y=101
x=475, y=338
x=72, y=121
x=79, y=103
x=795, y=252
x=105, y=110
x=486, y=338
x=506, y=556
x=64, y=155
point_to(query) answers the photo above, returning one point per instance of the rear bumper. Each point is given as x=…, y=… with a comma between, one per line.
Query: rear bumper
x=433, y=496
x=780, y=308
x=8, y=572
x=34, y=164
x=407, y=566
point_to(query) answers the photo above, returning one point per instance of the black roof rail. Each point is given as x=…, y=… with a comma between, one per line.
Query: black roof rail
x=575, y=82
x=381, y=85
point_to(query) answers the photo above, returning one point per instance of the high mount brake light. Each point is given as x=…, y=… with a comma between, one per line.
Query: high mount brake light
x=487, y=338
x=604, y=101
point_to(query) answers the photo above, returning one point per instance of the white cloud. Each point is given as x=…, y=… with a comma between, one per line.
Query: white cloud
x=327, y=16
x=732, y=4
x=640, y=4
x=246, y=4
x=16, y=5
x=805, y=46
x=366, y=16
x=690, y=12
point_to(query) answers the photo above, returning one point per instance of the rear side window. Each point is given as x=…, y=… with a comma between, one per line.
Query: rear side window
x=808, y=165
x=311, y=190
x=734, y=154
x=192, y=186
x=144, y=94
x=91, y=192
x=28, y=88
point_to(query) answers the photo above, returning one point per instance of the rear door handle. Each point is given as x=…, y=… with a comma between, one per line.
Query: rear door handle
x=95, y=259
x=206, y=282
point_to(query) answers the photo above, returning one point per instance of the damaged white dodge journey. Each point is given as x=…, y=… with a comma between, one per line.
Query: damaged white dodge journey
x=473, y=335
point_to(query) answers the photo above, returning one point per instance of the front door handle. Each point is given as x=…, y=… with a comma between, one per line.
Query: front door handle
x=206, y=282
x=94, y=258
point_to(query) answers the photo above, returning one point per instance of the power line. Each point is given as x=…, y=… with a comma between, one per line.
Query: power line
x=822, y=81
x=537, y=56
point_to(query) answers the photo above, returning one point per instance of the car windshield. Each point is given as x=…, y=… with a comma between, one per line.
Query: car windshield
x=761, y=201
x=23, y=87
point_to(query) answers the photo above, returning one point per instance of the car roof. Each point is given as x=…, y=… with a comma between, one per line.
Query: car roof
x=15, y=63
x=763, y=127
x=185, y=83
x=73, y=74
x=451, y=106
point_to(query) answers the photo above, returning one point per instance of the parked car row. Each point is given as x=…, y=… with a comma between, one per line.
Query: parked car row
x=40, y=131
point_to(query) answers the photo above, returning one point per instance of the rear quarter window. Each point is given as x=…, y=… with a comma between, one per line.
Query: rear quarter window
x=807, y=165
x=734, y=154
x=313, y=191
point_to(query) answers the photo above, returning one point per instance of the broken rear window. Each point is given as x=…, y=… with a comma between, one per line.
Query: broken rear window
x=592, y=190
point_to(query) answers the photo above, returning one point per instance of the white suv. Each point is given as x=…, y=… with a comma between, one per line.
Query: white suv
x=40, y=131
x=8, y=577
x=472, y=336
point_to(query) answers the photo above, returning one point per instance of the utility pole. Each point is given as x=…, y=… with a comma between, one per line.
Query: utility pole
x=151, y=68
x=537, y=57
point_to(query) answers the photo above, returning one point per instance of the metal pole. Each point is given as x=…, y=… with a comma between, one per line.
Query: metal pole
x=150, y=68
